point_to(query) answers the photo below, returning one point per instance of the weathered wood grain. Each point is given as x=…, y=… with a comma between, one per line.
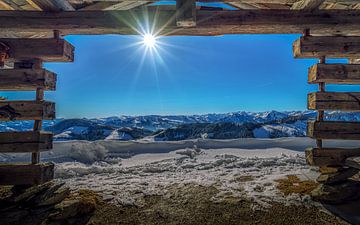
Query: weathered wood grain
x=52, y=5
x=353, y=162
x=26, y=110
x=354, y=61
x=307, y=5
x=343, y=101
x=334, y=74
x=27, y=80
x=29, y=141
x=41, y=24
x=186, y=13
x=26, y=174
x=331, y=47
x=329, y=156
x=46, y=49
x=334, y=130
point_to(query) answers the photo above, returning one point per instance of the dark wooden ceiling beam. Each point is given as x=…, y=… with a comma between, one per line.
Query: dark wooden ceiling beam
x=41, y=24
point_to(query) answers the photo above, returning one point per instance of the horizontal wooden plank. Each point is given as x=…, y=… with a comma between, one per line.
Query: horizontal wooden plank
x=29, y=141
x=46, y=49
x=334, y=130
x=27, y=80
x=307, y=5
x=331, y=47
x=27, y=110
x=344, y=101
x=353, y=162
x=334, y=74
x=209, y=22
x=329, y=156
x=26, y=174
x=354, y=61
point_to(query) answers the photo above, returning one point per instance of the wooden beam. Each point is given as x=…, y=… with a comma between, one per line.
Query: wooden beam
x=27, y=110
x=5, y=6
x=12, y=4
x=333, y=130
x=334, y=74
x=51, y=5
x=342, y=101
x=48, y=49
x=125, y=5
x=329, y=156
x=41, y=24
x=241, y=5
x=226, y=1
x=26, y=174
x=353, y=162
x=29, y=141
x=331, y=47
x=27, y=80
x=354, y=61
x=186, y=13
x=307, y=5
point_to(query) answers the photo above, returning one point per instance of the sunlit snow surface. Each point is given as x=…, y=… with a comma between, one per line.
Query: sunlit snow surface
x=126, y=178
x=124, y=172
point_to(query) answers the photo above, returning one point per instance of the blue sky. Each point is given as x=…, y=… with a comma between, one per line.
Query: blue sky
x=112, y=75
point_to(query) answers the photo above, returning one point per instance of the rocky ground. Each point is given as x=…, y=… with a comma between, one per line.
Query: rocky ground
x=192, y=185
x=188, y=204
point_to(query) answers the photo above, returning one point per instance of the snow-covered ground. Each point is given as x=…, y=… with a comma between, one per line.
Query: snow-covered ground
x=124, y=172
x=231, y=170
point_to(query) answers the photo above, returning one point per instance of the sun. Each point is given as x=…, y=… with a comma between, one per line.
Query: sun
x=149, y=40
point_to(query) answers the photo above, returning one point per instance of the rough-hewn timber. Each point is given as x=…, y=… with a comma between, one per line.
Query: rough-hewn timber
x=186, y=13
x=27, y=110
x=30, y=141
x=307, y=5
x=26, y=174
x=42, y=24
x=329, y=156
x=331, y=47
x=353, y=162
x=344, y=101
x=334, y=130
x=334, y=74
x=27, y=80
x=46, y=49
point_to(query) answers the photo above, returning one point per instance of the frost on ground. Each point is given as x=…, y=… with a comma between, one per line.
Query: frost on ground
x=233, y=171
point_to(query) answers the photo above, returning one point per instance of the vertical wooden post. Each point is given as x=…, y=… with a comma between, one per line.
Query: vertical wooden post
x=186, y=13
x=35, y=157
x=320, y=113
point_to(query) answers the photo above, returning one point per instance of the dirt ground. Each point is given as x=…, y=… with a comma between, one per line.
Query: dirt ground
x=193, y=205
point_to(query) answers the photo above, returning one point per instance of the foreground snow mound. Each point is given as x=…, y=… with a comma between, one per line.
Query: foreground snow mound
x=237, y=171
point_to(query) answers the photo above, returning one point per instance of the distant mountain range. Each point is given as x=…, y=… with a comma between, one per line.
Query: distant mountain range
x=272, y=124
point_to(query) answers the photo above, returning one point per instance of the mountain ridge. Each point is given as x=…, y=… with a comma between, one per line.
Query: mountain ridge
x=270, y=124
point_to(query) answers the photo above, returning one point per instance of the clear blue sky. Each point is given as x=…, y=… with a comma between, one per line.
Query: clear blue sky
x=191, y=75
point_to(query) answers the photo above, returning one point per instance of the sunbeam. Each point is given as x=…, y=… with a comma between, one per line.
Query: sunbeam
x=149, y=40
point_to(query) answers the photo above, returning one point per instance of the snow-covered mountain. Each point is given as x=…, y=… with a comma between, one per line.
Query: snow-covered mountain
x=270, y=124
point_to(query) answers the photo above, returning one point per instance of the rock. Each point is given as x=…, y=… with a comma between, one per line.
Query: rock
x=30, y=194
x=80, y=204
x=338, y=177
x=53, y=195
x=337, y=193
x=353, y=162
x=50, y=203
x=66, y=209
x=13, y=216
x=330, y=169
